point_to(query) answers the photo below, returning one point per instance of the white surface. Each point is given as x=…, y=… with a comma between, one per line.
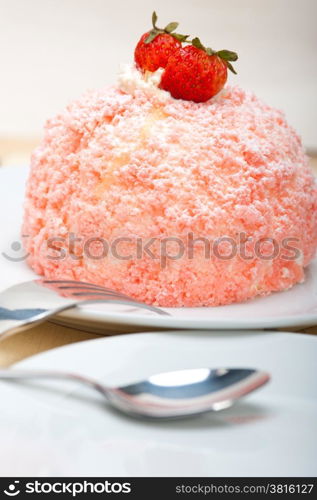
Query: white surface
x=64, y=429
x=296, y=307
x=53, y=51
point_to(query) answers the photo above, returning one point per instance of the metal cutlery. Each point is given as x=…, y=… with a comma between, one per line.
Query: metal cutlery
x=24, y=304
x=176, y=394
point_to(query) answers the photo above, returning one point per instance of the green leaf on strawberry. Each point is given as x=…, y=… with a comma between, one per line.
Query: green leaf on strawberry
x=169, y=30
x=197, y=43
x=154, y=19
x=151, y=36
x=227, y=55
x=180, y=38
x=171, y=27
x=229, y=66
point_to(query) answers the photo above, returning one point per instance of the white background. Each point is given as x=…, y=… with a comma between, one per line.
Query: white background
x=52, y=50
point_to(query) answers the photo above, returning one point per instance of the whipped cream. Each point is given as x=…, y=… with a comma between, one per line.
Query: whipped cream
x=130, y=80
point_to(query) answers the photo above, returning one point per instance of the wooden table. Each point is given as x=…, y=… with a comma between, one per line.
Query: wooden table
x=47, y=335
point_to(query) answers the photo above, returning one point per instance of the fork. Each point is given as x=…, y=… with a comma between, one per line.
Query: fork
x=31, y=302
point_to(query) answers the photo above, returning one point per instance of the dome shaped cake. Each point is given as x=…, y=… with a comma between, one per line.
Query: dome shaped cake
x=173, y=202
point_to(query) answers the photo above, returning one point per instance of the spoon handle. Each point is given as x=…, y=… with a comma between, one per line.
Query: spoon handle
x=50, y=374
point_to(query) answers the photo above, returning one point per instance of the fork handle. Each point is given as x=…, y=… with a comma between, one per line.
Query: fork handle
x=26, y=318
x=9, y=326
x=23, y=322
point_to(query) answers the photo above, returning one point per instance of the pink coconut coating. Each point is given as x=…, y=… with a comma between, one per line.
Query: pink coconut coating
x=115, y=165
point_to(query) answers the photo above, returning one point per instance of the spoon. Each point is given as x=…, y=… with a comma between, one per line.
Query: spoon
x=174, y=394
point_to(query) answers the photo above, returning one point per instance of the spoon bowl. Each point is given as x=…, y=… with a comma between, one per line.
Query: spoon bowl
x=186, y=392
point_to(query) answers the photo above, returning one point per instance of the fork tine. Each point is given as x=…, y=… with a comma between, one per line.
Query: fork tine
x=82, y=284
x=101, y=294
x=105, y=290
x=120, y=300
x=92, y=291
x=71, y=282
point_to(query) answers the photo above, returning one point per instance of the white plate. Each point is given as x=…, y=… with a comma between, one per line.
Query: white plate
x=294, y=308
x=60, y=429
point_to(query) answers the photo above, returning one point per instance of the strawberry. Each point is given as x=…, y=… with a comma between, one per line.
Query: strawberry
x=156, y=46
x=195, y=73
x=154, y=55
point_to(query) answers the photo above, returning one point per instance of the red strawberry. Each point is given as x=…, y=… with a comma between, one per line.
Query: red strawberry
x=154, y=55
x=195, y=73
x=156, y=46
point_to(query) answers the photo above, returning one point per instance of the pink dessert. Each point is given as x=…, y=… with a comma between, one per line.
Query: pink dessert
x=127, y=164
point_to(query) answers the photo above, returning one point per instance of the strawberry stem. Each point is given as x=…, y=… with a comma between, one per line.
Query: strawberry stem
x=169, y=30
